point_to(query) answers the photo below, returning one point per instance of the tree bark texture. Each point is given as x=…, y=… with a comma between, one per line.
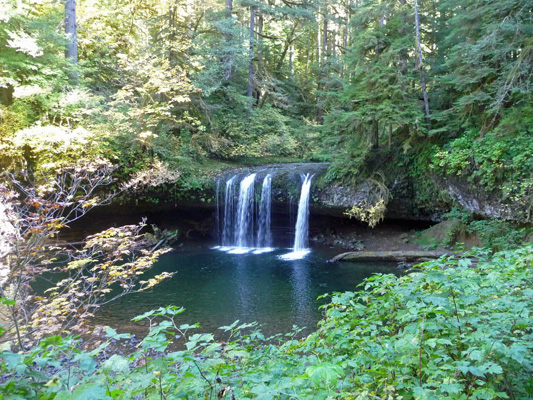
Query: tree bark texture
x=374, y=138
x=307, y=55
x=251, y=62
x=407, y=255
x=325, y=34
x=229, y=8
x=229, y=38
x=318, y=38
x=291, y=58
x=71, y=49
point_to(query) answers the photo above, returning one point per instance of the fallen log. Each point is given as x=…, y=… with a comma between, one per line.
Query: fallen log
x=408, y=255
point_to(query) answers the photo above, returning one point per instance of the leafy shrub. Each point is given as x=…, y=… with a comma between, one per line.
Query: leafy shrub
x=498, y=234
x=492, y=233
x=497, y=163
x=266, y=132
x=371, y=214
x=444, y=234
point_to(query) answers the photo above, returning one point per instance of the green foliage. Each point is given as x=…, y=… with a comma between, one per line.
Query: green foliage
x=498, y=163
x=162, y=82
x=110, y=265
x=497, y=234
x=47, y=149
x=32, y=58
x=493, y=160
x=379, y=94
x=477, y=59
x=453, y=329
x=32, y=63
x=265, y=133
x=489, y=71
x=460, y=226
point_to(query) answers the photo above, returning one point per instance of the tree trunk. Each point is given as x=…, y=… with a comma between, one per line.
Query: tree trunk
x=71, y=49
x=229, y=38
x=345, y=37
x=229, y=8
x=6, y=95
x=320, y=83
x=286, y=47
x=318, y=37
x=172, y=12
x=291, y=58
x=307, y=55
x=403, y=53
x=374, y=138
x=251, y=62
x=407, y=255
x=325, y=34
x=421, y=67
x=260, y=27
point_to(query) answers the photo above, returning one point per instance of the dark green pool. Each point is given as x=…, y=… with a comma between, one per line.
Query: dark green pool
x=217, y=288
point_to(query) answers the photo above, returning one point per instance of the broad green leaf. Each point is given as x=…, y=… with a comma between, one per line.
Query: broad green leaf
x=324, y=372
x=89, y=391
x=116, y=363
x=111, y=333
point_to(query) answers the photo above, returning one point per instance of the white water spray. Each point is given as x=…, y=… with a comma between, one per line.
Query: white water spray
x=245, y=212
x=228, y=212
x=302, y=220
x=264, y=235
x=300, y=249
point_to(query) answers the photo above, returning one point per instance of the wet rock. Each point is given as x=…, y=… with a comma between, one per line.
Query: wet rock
x=480, y=202
x=404, y=266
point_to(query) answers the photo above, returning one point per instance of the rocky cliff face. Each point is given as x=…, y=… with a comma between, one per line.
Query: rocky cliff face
x=403, y=204
x=334, y=199
x=479, y=202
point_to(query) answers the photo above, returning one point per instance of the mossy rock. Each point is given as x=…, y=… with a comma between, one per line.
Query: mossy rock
x=447, y=234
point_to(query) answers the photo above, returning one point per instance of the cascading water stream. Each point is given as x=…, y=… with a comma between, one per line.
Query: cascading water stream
x=264, y=235
x=229, y=211
x=246, y=224
x=217, y=212
x=245, y=214
x=301, y=235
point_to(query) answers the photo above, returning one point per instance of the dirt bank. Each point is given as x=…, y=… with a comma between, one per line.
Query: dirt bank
x=352, y=236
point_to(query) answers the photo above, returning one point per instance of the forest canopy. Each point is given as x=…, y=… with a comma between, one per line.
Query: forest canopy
x=434, y=88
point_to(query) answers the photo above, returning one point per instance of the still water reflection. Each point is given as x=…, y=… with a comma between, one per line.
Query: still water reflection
x=217, y=288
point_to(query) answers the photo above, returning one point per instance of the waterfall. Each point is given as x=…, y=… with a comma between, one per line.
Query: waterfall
x=264, y=235
x=238, y=215
x=302, y=220
x=299, y=249
x=245, y=212
x=217, y=212
x=229, y=212
x=244, y=220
